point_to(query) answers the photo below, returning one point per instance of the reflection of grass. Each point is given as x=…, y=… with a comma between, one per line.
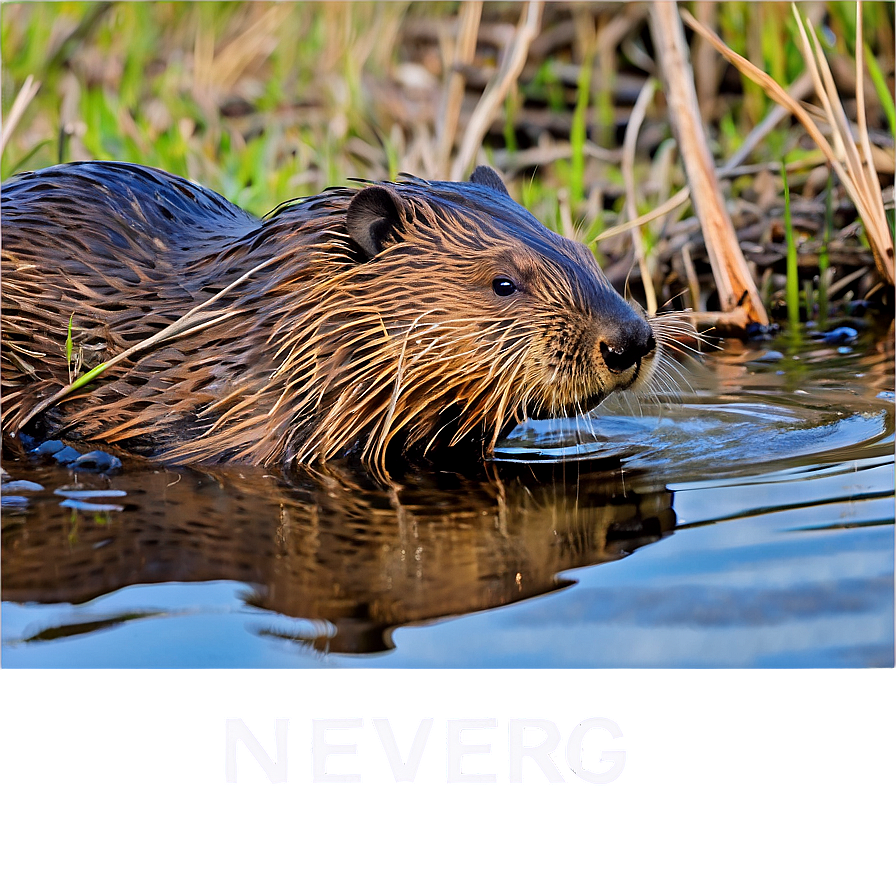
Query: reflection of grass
x=73, y=528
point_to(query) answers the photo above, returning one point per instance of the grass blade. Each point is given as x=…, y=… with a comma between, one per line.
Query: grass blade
x=793, y=287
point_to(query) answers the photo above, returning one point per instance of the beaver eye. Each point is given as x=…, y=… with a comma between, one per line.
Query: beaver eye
x=503, y=287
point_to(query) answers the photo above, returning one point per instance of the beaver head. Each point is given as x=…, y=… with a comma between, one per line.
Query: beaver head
x=461, y=315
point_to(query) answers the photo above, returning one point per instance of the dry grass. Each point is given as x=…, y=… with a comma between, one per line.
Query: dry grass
x=851, y=160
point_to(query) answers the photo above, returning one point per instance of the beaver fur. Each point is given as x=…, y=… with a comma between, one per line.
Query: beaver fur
x=407, y=314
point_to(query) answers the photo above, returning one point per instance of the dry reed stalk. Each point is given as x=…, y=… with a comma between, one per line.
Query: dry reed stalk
x=853, y=167
x=490, y=102
x=20, y=104
x=672, y=203
x=628, y=173
x=455, y=83
x=732, y=275
x=798, y=90
x=258, y=41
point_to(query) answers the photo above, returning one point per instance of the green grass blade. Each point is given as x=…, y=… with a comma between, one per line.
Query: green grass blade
x=85, y=378
x=792, y=292
x=21, y=163
x=824, y=260
x=578, y=133
x=68, y=346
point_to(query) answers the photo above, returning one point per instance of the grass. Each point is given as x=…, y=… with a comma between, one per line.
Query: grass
x=264, y=102
x=824, y=267
x=849, y=155
x=793, y=286
x=149, y=83
x=69, y=344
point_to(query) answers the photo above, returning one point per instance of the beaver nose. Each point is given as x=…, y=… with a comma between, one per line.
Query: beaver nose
x=626, y=348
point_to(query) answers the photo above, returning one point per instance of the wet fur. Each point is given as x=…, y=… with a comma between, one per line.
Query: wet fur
x=371, y=321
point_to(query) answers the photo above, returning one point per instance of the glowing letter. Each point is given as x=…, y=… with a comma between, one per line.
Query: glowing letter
x=540, y=752
x=404, y=770
x=612, y=762
x=274, y=764
x=322, y=749
x=456, y=748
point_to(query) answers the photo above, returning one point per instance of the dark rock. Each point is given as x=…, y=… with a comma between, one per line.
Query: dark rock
x=97, y=461
x=756, y=331
x=49, y=447
x=67, y=455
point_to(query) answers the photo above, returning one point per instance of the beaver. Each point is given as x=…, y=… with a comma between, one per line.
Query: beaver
x=408, y=314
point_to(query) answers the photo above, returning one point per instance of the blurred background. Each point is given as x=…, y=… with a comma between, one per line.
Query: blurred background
x=264, y=102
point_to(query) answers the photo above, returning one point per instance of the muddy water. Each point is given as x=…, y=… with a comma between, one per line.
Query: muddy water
x=749, y=522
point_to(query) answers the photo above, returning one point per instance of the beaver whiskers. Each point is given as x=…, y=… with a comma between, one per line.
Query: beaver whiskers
x=403, y=315
x=677, y=338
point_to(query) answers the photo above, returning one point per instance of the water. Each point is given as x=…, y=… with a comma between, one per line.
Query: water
x=749, y=523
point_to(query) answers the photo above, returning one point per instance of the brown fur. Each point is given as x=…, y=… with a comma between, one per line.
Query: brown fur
x=344, y=323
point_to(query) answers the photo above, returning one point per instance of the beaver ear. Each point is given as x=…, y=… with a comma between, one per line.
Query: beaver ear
x=488, y=177
x=373, y=217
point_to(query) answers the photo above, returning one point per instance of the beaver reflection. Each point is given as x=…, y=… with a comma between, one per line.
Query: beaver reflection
x=332, y=545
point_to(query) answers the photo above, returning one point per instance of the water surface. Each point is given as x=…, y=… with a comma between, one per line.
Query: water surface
x=749, y=522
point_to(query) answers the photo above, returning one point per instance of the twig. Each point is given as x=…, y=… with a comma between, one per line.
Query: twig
x=732, y=275
x=453, y=92
x=723, y=323
x=491, y=99
x=628, y=175
x=691, y=274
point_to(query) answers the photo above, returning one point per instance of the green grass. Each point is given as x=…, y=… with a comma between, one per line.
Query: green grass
x=68, y=347
x=144, y=82
x=823, y=253
x=578, y=133
x=793, y=286
x=884, y=94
